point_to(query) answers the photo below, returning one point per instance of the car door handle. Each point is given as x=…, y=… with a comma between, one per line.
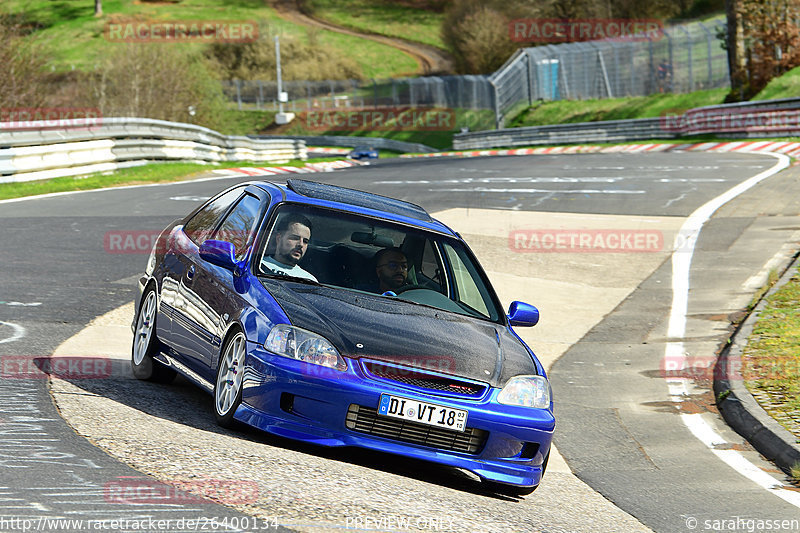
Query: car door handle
x=190, y=273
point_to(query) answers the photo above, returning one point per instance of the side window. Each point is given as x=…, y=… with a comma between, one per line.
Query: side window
x=467, y=290
x=202, y=224
x=238, y=226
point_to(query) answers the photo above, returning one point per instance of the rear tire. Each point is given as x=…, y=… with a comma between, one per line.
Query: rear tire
x=145, y=343
x=228, y=387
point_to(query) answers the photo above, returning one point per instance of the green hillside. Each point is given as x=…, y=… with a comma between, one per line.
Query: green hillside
x=72, y=38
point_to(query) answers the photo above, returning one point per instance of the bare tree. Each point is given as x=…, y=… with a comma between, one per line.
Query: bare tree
x=735, y=47
x=764, y=42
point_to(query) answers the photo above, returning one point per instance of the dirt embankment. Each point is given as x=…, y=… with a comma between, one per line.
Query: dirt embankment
x=431, y=60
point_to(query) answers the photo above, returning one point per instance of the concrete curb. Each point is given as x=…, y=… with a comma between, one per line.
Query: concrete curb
x=782, y=147
x=739, y=408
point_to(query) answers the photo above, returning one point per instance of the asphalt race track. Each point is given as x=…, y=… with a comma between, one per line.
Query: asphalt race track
x=603, y=333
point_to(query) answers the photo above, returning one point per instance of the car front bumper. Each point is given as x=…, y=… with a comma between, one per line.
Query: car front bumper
x=311, y=403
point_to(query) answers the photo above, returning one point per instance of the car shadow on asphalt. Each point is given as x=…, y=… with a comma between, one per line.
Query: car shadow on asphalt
x=197, y=411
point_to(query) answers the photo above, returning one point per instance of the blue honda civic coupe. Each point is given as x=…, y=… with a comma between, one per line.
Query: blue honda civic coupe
x=343, y=318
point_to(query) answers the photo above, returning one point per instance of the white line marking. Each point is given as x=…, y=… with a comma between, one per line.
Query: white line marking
x=674, y=352
x=540, y=191
x=19, y=332
x=189, y=198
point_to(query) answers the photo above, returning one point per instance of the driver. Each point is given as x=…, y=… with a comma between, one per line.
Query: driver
x=291, y=243
x=391, y=267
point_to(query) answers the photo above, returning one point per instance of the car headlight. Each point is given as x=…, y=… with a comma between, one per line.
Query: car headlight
x=296, y=343
x=526, y=391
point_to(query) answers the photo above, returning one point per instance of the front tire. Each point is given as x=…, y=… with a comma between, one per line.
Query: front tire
x=145, y=343
x=228, y=388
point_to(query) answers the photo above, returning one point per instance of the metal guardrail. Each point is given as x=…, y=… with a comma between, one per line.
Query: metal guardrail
x=352, y=142
x=41, y=150
x=767, y=118
x=583, y=132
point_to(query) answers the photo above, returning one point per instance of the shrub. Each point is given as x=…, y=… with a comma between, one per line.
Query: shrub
x=158, y=81
x=23, y=79
x=299, y=61
x=477, y=36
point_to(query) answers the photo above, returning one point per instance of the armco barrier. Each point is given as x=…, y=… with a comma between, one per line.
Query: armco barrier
x=584, y=132
x=761, y=119
x=352, y=142
x=39, y=151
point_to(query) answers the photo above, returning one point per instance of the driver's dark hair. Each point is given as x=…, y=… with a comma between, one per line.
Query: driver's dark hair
x=380, y=253
x=293, y=218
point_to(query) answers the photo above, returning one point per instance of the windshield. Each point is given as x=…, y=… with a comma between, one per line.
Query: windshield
x=375, y=256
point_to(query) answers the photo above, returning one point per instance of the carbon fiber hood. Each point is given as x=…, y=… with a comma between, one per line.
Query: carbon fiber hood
x=385, y=329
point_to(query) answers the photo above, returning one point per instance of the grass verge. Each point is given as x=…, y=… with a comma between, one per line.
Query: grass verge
x=385, y=18
x=153, y=173
x=785, y=86
x=572, y=111
x=771, y=359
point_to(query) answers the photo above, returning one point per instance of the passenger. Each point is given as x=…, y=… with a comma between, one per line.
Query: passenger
x=291, y=242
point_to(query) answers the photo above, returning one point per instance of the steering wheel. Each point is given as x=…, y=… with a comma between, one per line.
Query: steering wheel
x=407, y=287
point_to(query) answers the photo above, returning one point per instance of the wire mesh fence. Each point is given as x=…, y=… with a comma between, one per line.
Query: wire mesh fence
x=453, y=92
x=681, y=59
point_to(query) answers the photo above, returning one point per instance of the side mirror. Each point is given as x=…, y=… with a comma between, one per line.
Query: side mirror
x=522, y=314
x=219, y=253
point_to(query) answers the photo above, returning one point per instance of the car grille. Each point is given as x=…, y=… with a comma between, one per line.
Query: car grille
x=366, y=420
x=424, y=380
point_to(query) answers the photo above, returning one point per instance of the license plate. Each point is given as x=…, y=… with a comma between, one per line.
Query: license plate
x=422, y=412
